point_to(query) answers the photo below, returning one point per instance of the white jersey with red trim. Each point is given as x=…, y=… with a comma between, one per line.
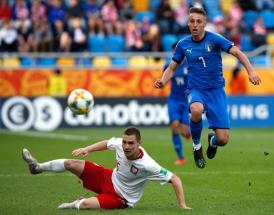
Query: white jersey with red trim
x=129, y=177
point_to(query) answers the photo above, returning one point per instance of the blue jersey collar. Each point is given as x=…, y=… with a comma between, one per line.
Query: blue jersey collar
x=199, y=40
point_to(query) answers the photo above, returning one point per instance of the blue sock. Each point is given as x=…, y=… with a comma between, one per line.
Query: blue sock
x=178, y=145
x=196, y=131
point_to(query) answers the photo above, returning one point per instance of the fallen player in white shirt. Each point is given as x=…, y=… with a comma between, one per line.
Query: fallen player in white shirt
x=120, y=187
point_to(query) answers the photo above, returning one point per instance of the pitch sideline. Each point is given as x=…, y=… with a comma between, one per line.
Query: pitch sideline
x=48, y=135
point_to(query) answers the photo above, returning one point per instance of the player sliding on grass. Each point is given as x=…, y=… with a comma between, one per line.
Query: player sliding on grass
x=202, y=50
x=118, y=188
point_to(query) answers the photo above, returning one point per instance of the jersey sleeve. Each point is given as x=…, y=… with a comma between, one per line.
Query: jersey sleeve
x=158, y=173
x=224, y=43
x=179, y=54
x=114, y=143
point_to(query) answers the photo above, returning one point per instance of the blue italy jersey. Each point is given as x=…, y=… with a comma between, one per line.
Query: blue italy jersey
x=204, y=60
x=179, y=81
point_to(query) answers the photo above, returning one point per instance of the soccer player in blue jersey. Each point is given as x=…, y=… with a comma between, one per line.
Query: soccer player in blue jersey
x=178, y=109
x=202, y=49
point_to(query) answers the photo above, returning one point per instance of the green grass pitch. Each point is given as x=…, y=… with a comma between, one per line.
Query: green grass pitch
x=240, y=180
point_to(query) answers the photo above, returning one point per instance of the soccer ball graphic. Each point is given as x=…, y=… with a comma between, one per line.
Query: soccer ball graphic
x=80, y=101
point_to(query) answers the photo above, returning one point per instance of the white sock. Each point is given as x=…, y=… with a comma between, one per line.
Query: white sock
x=197, y=147
x=79, y=203
x=54, y=165
x=71, y=205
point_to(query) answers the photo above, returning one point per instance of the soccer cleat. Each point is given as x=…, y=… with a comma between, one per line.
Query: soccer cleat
x=71, y=205
x=199, y=158
x=180, y=161
x=32, y=162
x=211, y=151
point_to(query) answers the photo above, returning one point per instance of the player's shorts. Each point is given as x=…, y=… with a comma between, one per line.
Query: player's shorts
x=215, y=105
x=178, y=110
x=98, y=179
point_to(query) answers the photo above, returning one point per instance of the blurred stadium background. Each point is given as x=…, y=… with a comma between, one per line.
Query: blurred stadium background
x=116, y=50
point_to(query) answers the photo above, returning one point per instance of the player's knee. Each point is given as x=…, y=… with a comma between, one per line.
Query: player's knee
x=84, y=204
x=187, y=135
x=175, y=127
x=70, y=164
x=75, y=166
x=222, y=141
x=196, y=114
x=89, y=203
x=175, y=131
x=185, y=131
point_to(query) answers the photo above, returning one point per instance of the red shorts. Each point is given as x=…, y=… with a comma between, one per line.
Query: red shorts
x=98, y=179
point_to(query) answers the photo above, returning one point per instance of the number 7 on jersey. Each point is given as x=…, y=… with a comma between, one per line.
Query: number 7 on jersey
x=203, y=60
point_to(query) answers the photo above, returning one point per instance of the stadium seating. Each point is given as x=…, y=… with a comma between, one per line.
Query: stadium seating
x=119, y=62
x=270, y=41
x=147, y=8
x=229, y=60
x=260, y=60
x=46, y=62
x=160, y=62
x=137, y=61
x=28, y=62
x=154, y=5
x=250, y=18
x=213, y=8
x=167, y=41
x=226, y=4
x=174, y=4
x=138, y=5
x=65, y=61
x=268, y=18
x=83, y=62
x=246, y=43
x=270, y=38
x=96, y=43
x=115, y=43
x=141, y=15
x=11, y=62
x=101, y=61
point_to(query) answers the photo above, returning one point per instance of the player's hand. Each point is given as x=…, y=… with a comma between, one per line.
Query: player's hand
x=254, y=78
x=159, y=84
x=81, y=151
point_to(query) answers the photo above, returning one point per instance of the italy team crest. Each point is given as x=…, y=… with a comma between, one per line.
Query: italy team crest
x=208, y=47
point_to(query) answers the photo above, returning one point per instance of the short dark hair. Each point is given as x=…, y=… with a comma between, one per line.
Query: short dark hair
x=133, y=131
x=197, y=10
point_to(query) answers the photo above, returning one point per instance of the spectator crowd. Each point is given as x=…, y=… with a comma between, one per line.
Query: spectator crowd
x=68, y=25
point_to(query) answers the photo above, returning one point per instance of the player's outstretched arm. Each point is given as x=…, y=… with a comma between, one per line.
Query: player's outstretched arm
x=99, y=146
x=167, y=75
x=252, y=75
x=178, y=188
